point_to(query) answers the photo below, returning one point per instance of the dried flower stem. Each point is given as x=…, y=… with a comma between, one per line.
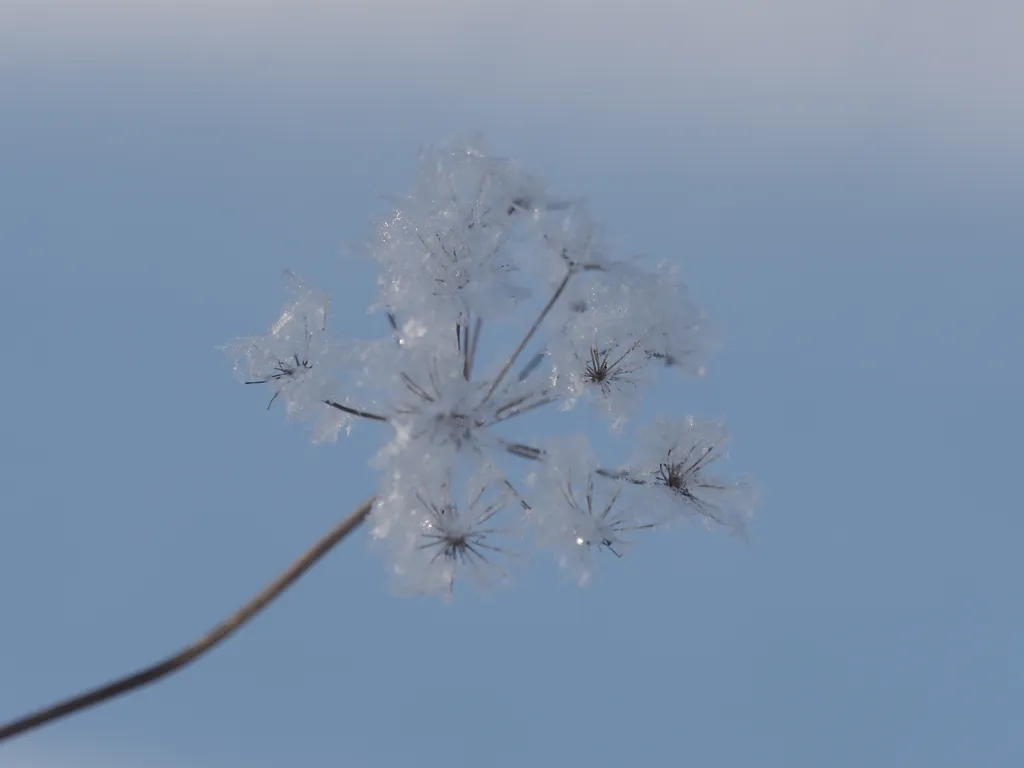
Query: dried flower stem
x=201, y=646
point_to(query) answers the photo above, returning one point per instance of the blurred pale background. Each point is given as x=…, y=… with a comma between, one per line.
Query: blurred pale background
x=843, y=182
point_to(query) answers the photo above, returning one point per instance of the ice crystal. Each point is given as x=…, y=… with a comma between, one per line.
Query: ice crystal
x=500, y=300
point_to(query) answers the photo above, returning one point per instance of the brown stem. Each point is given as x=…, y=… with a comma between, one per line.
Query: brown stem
x=201, y=646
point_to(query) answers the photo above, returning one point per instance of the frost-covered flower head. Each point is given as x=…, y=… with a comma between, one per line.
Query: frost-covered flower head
x=503, y=305
x=454, y=247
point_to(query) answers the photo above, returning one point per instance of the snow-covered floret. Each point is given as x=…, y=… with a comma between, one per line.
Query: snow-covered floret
x=580, y=509
x=673, y=457
x=500, y=301
x=297, y=360
x=453, y=247
x=675, y=331
x=435, y=540
x=438, y=406
x=599, y=355
x=568, y=232
x=622, y=322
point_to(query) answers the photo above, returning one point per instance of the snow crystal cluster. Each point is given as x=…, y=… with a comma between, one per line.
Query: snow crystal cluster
x=480, y=248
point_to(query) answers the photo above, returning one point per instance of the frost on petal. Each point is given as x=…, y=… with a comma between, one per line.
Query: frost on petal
x=438, y=406
x=297, y=361
x=438, y=409
x=671, y=472
x=623, y=321
x=675, y=330
x=600, y=354
x=576, y=510
x=571, y=237
x=432, y=541
x=453, y=246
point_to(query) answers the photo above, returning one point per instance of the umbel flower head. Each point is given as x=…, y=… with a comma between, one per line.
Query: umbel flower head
x=502, y=306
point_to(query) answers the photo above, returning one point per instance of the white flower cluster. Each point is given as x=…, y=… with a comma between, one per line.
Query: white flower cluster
x=481, y=249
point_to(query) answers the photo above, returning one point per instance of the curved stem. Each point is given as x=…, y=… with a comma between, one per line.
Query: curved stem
x=201, y=646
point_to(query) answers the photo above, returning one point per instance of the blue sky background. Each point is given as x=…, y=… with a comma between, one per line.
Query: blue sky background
x=842, y=181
